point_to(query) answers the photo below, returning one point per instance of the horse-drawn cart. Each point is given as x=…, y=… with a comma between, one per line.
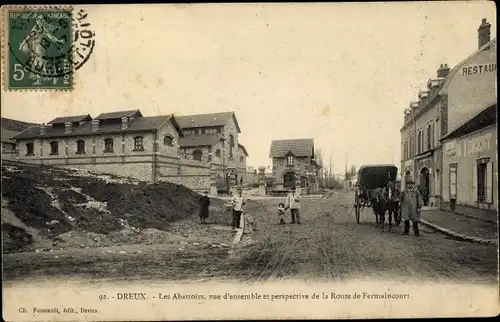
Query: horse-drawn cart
x=373, y=179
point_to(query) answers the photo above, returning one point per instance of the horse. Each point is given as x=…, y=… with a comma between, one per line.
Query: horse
x=392, y=202
x=384, y=199
x=379, y=206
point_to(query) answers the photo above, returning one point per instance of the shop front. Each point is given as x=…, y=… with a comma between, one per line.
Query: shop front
x=470, y=174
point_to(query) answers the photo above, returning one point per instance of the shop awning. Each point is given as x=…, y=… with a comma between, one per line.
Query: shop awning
x=481, y=120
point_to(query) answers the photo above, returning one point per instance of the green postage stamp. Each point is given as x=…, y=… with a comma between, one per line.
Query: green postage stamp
x=45, y=47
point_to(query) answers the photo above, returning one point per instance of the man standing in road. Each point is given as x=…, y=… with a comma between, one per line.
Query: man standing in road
x=238, y=202
x=411, y=203
x=293, y=203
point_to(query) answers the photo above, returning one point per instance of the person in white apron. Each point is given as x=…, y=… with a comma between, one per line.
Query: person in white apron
x=293, y=203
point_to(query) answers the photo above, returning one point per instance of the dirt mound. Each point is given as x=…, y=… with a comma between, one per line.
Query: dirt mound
x=15, y=238
x=57, y=201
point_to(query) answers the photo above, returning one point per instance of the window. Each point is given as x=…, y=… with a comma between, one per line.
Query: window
x=80, y=147
x=281, y=162
x=138, y=143
x=481, y=182
x=422, y=143
x=429, y=137
x=188, y=132
x=197, y=155
x=217, y=153
x=453, y=181
x=108, y=145
x=298, y=162
x=54, y=147
x=438, y=132
x=483, y=179
x=421, y=148
x=168, y=140
x=242, y=159
x=289, y=160
x=30, y=148
x=412, y=146
x=231, y=144
x=419, y=142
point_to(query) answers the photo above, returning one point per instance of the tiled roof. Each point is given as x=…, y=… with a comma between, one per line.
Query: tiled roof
x=206, y=120
x=118, y=115
x=298, y=147
x=72, y=119
x=15, y=125
x=244, y=149
x=199, y=140
x=8, y=134
x=140, y=124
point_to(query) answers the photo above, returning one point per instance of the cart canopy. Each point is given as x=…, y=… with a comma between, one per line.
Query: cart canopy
x=375, y=176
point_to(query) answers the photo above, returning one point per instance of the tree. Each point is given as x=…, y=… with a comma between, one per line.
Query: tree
x=351, y=173
x=318, y=157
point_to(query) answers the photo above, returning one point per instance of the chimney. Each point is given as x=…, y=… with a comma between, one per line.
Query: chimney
x=67, y=127
x=443, y=71
x=483, y=33
x=43, y=129
x=95, y=125
x=124, y=123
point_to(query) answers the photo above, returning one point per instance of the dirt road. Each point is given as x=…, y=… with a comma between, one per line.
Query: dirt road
x=328, y=245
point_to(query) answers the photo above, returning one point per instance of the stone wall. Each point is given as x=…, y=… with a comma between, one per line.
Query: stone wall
x=193, y=182
x=195, y=175
x=139, y=171
x=9, y=155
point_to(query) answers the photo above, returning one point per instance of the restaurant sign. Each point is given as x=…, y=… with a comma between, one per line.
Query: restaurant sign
x=478, y=69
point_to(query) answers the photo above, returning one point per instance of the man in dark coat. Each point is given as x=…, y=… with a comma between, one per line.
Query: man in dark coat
x=411, y=203
x=204, y=204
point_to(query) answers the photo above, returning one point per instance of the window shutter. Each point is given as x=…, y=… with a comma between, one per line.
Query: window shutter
x=474, y=181
x=489, y=182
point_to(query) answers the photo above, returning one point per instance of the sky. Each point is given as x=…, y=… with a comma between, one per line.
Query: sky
x=341, y=73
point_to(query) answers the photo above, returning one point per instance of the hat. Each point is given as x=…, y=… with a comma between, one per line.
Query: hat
x=410, y=182
x=293, y=188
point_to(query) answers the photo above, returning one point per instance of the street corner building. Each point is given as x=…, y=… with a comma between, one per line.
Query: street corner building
x=123, y=143
x=449, y=135
x=214, y=138
x=294, y=164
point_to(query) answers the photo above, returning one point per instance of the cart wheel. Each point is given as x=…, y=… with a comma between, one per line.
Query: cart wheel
x=397, y=218
x=357, y=206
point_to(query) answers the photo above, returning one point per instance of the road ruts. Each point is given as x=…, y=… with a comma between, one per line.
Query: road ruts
x=329, y=245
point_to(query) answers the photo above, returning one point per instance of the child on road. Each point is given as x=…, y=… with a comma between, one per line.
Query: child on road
x=281, y=213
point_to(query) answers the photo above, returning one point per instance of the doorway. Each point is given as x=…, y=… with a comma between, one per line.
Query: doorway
x=289, y=180
x=406, y=179
x=425, y=185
